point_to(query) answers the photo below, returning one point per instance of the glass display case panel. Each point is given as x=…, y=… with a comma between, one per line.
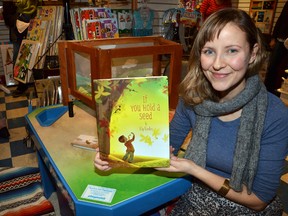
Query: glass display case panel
x=84, y=61
x=132, y=66
x=83, y=73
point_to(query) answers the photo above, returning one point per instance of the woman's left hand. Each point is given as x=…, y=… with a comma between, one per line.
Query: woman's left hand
x=179, y=165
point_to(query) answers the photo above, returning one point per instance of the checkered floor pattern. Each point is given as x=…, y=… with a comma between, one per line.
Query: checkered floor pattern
x=15, y=153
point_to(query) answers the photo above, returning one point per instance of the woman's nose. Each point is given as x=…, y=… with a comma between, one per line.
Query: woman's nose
x=219, y=62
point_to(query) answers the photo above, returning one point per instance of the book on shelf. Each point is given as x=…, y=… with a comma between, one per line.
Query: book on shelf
x=132, y=117
x=125, y=20
x=93, y=29
x=93, y=23
x=26, y=60
x=55, y=14
x=85, y=14
x=75, y=21
x=39, y=30
x=109, y=28
x=85, y=142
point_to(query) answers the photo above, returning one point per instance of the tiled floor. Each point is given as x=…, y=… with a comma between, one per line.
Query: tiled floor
x=14, y=152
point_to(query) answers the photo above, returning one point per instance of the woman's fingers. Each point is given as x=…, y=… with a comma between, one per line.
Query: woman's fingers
x=100, y=164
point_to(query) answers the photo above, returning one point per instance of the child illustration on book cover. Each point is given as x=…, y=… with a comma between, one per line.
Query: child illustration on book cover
x=129, y=156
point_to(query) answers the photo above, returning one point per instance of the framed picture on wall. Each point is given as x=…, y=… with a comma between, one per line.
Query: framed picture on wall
x=262, y=12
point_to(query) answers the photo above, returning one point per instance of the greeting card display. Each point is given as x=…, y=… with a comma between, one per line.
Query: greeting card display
x=133, y=121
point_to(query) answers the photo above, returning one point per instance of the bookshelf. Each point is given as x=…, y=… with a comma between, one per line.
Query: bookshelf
x=262, y=12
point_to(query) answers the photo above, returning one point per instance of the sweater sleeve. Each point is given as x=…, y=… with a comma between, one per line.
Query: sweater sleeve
x=180, y=125
x=274, y=149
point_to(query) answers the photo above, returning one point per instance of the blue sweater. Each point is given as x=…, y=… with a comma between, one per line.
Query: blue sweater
x=222, y=141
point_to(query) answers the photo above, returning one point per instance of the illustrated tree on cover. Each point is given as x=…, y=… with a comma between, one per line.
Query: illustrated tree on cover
x=103, y=96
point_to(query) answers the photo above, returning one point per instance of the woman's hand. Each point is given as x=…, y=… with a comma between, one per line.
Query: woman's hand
x=179, y=165
x=100, y=164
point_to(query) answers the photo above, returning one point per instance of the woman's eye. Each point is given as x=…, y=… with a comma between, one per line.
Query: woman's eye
x=207, y=52
x=232, y=51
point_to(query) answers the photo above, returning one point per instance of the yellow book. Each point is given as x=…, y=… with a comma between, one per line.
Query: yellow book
x=133, y=121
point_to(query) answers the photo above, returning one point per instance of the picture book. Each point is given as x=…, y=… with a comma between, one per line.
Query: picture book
x=76, y=24
x=124, y=18
x=38, y=30
x=93, y=23
x=93, y=29
x=102, y=13
x=133, y=121
x=49, y=13
x=86, y=14
x=109, y=28
x=55, y=14
x=85, y=142
x=25, y=61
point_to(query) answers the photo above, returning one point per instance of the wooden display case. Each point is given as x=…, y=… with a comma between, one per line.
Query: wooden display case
x=83, y=61
x=262, y=12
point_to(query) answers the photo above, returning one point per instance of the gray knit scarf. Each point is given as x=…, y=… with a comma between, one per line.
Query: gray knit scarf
x=253, y=101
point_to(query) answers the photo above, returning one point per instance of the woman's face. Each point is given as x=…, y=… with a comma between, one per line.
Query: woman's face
x=225, y=60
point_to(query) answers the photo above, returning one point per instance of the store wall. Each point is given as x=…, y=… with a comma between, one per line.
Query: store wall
x=159, y=6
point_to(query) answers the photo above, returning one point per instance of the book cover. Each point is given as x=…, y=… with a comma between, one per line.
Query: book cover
x=48, y=13
x=133, y=121
x=38, y=30
x=25, y=61
x=109, y=28
x=124, y=18
x=102, y=13
x=86, y=14
x=56, y=15
x=93, y=29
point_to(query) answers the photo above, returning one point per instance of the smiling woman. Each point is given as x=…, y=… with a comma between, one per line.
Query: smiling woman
x=233, y=120
x=224, y=61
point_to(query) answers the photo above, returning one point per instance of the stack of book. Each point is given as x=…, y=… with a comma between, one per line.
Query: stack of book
x=93, y=23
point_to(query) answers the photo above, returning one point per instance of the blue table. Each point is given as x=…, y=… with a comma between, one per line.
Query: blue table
x=70, y=170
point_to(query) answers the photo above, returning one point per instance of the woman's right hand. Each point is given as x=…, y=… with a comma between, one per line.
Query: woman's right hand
x=100, y=164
